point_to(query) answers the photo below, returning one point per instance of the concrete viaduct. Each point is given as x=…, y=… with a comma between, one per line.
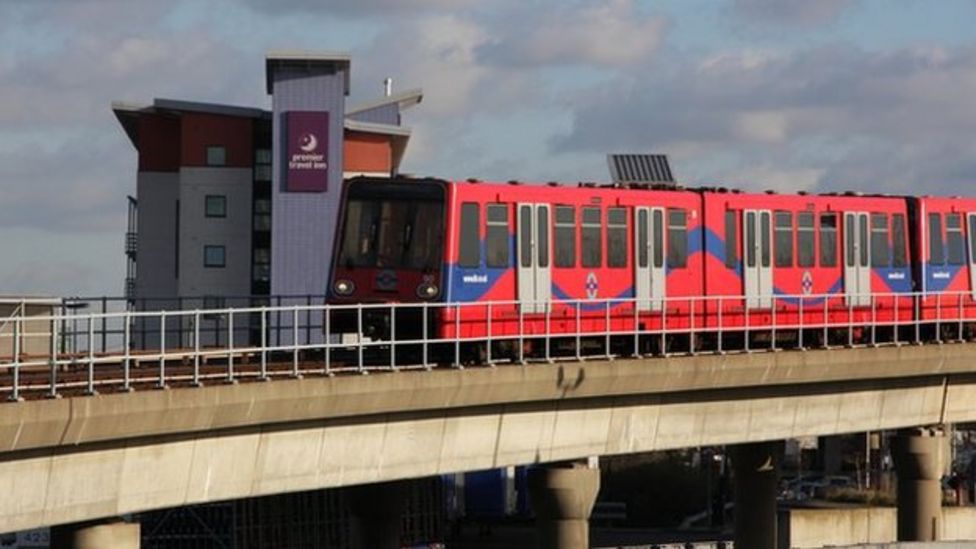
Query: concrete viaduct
x=72, y=461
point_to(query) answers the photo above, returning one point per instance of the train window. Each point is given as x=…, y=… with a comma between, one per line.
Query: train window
x=565, y=236
x=525, y=235
x=936, y=252
x=972, y=238
x=899, y=258
x=862, y=227
x=469, y=248
x=954, y=241
x=784, y=239
x=592, y=254
x=616, y=237
x=542, y=222
x=497, y=241
x=658, y=239
x=642, y=238
x=879, y=240
x=751, y=240
x=828, y=240
x=805, y=250
x=764, y=237
x=730, y=240
x=677, y=239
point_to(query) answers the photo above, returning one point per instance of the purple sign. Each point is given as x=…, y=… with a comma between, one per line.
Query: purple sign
x=306, y=156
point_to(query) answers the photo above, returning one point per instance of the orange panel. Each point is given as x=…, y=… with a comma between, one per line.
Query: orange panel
x=367, y=152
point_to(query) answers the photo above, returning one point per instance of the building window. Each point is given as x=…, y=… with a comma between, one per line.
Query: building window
x=216, y=155
x=616, y=237
x=214, y=256
x=469, y=252
x=677, y=239
x=592, y=253
x=565, y=236
x=262, y=214
x=262, y=156
x=954, y=241
x=215, y=205
x=498, y=245
x=784, y=239
x=262, y=264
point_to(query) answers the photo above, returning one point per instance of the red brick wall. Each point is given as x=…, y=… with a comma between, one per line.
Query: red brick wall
x=159, y=143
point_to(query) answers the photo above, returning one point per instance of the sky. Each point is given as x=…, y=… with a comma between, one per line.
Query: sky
x=814, y=95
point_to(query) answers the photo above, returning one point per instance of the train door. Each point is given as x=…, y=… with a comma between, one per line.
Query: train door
x=649, y=275
x=534, y=269
x=758, y=271
x=971, y=226
x=857, y=271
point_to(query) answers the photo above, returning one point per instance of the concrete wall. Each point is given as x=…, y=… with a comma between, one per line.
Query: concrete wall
x=383, y=114
x=809, y=528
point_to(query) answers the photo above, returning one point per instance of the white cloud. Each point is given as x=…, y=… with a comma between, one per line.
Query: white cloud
x=612, y=33
x=792, y=12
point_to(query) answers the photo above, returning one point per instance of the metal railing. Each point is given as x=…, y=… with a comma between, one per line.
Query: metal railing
x=229, y=344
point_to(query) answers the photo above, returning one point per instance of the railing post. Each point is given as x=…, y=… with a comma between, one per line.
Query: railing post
x=917, y=302
x=393, y=337
x=424, y=336
x=636, y=330
x=196, y=348
x=308, y=319
x=664, y=326
x=264, y=344
x=721, y=332
x=457, y=334
x=104, y=321
x=521, y=331
x=548, y=330
x=800, y=322
x=745, y=332
x=294, y=342
x=161, y=384
x=53, y=359
x=897, y=323
x=488, y=340
x=90, y=390
x=15, y=390
x=579, y=329
x=959, y=297
x=850, y=320
x=606, y=326
x=230, y=346
x=772, y=341
x=126, y=344
x=328, y=341
x=359, y=336
x=938, y=317
x=691, y=325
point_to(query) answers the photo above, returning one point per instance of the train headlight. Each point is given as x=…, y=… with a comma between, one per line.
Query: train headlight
x=344, y=287
x=426, y=290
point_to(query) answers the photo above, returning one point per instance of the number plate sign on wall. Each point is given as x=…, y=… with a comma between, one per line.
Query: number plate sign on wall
x=307, y=152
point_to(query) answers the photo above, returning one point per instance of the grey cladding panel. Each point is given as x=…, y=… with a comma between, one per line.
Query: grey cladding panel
x=303, y=224
x=640, y=168
x=384, y=114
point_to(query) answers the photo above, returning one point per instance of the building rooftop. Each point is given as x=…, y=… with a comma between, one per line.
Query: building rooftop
x=305, y=60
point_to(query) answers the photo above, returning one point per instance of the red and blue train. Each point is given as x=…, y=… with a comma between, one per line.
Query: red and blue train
x=512, y=260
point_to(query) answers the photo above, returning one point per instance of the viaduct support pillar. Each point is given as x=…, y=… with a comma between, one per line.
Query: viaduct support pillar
x=377, y=513
x=96, y=535
x=756, y=468
x=917, y=455
x=562, y=497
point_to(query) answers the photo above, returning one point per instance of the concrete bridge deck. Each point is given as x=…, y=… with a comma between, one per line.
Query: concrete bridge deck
x=74, y=459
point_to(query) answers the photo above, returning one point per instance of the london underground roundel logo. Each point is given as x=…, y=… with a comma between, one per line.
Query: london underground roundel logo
x=308, y=142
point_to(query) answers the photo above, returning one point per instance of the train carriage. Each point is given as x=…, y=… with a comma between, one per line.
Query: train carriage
x=944, y=231
x=810, y=260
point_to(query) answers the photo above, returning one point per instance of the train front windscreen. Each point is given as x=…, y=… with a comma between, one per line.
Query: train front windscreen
x=390, y=246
